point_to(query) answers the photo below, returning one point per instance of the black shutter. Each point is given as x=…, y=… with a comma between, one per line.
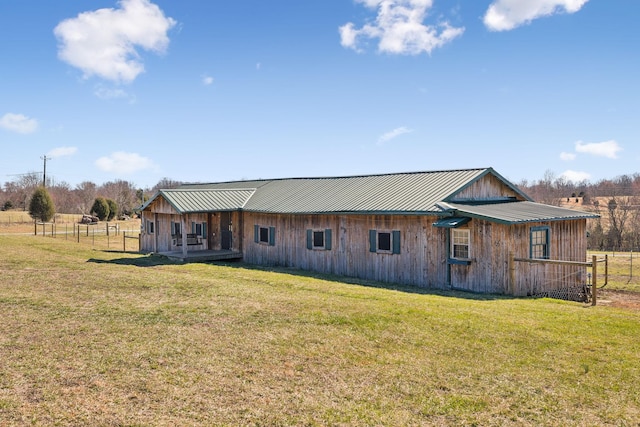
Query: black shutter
x=396, y=241
x=373, y=241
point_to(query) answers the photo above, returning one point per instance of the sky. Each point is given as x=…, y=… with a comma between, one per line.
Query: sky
x=208, y=91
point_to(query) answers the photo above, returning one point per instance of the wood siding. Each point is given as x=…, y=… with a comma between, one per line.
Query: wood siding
x=423, y=258
x=487, y=187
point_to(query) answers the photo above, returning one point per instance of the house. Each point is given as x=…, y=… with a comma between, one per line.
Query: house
x=456, y=229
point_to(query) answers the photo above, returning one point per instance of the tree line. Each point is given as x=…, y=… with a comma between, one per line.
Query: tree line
x=125, y=195
x=616, y=200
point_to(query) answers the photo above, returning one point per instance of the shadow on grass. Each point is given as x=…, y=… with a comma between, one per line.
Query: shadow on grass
x=154, y=260
x=137, y=261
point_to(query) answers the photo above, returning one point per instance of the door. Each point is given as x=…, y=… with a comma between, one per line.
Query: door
x=226, y=230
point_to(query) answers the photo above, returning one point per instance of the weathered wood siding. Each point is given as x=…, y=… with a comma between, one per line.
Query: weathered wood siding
x=421, y=262
x=568, y=242
x=493, y=243
x=486, y=188
x=423, y=251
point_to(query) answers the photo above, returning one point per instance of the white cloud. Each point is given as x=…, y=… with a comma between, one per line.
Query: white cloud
x=567, y=157
x=399, y=28
x=504, y=15
x=104, y=42
x=607, y=149
x=18, y=123
x=575, y=176
x=207, y=80
x=62, y=151
x=393, y=134
x=121, y=162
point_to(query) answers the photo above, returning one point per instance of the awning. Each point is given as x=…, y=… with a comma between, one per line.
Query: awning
x=451, y=222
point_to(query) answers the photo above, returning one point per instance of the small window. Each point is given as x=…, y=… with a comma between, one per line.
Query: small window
x=460, y=243
x=384, y=241
x=540, y=242
x=319, y=239
x=199, y=229
x=264, y=235
x=150, y=227
x=176, y=229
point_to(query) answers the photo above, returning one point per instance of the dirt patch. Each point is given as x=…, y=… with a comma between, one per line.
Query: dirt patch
x=619, y=299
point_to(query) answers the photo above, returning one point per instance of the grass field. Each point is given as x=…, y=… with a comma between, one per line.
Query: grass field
x=93, y=337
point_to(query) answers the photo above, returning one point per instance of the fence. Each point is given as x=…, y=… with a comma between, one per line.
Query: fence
x=560, y=279
x=110, y=236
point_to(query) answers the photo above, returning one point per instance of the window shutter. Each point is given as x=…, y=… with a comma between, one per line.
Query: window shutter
x=373, y=234
x=256, y=233
x=204, y=229
x=272, y=236
x=327, y=239
x=309, y=239
x=396, y=241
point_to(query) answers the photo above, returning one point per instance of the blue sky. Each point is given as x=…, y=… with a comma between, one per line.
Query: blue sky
x=215, y=90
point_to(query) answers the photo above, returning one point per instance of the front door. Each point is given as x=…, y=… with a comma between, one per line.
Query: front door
x=226, y=235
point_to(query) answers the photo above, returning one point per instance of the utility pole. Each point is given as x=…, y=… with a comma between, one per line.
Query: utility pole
x=44, y=174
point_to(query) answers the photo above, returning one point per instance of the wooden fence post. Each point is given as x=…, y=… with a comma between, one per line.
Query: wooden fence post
x=594, y=282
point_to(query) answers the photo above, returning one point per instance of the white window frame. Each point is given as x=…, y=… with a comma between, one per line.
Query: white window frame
x=460, y=237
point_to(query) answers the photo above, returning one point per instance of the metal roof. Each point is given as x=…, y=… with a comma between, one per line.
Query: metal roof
x=205, y=200
x=401, y=193
x=412, y=192
x=516, y=212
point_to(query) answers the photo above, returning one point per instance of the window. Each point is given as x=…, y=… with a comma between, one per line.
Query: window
x=539, y=242
x=384, y=241
x=319, y=239
x=460, y=243
x=175, y=228
x=199, y=229
x=264, y=235
x=150, y=227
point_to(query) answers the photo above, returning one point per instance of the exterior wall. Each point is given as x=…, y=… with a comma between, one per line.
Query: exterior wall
x=486, y=188
x=161, y=239
x=421, y=262
x=492, y=244
x=424, y=251
x=568, y=242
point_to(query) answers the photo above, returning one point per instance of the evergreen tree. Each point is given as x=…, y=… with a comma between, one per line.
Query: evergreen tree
x=41, y=206
x=100, y=208
x=113, y=209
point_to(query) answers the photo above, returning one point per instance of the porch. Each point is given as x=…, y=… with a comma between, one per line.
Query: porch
x=202, y=255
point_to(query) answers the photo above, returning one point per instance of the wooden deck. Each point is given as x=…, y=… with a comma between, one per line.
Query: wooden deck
x=203, y=256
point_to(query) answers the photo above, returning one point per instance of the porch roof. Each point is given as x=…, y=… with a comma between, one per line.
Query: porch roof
x=515, y=212
x=209, y=200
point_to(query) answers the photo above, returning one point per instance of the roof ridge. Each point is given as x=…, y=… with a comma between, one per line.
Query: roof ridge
x=300, y=178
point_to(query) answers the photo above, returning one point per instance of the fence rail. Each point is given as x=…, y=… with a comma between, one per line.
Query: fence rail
x=101, y=235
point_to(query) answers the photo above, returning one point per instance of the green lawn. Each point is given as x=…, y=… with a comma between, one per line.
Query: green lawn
x=92, y=337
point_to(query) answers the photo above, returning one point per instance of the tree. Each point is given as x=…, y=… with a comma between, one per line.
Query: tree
x=100, y=208
x=41, y=206
x=113, y=209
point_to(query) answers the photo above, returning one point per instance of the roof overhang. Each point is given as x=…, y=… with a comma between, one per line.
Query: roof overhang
x=452, y=222
x=515, y=212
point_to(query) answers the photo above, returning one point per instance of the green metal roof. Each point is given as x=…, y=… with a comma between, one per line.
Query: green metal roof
x=415, y=192
x=401, y=193
x=205, y=200
x=515, y=212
